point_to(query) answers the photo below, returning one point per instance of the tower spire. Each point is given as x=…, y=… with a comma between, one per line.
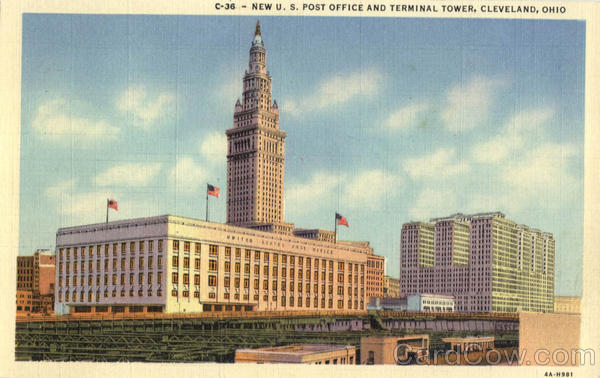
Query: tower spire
x=257, y=31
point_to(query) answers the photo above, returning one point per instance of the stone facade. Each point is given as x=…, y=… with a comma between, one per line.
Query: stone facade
x=256, y=151
x=176, y=264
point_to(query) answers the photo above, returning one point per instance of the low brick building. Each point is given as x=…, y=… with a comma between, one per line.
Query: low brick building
x=319, y=354
x=36, y=276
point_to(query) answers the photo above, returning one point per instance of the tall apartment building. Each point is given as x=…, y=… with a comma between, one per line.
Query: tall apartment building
x=35, y=282
x=486, y=261
x=255, y=262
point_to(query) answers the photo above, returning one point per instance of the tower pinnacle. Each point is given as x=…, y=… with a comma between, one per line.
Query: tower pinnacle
x=257, y=36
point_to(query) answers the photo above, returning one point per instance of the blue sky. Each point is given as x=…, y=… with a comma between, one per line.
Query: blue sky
x=388, y=121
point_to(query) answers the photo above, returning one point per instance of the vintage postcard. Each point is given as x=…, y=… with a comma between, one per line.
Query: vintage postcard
x=200, y=189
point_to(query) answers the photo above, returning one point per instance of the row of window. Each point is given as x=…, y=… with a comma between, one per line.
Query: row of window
x=67, y=281
x=95, y=295
x=107, y=248
x=141, y=264
x=212, y=281
x=214, y=251
x=213, y=266
x=375, y=264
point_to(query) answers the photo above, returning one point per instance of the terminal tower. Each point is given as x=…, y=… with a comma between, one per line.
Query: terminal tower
x=256, y=151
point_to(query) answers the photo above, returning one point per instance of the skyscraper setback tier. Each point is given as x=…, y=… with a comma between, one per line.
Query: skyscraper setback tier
x=486, y=261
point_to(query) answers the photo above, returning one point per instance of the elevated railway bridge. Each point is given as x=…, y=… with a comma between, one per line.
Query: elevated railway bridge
x=215, y=337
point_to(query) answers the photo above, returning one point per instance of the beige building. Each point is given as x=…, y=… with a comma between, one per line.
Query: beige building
x=319, y=354
x=391, y=287
x=469, y=343
x=176, y=264
x=375, y=270
x=392, y=350
x=567, y=305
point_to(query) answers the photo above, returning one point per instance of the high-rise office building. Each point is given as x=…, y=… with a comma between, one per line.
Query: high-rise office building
x=486, y=261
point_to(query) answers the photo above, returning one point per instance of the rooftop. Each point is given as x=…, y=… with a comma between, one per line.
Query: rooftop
x=433, y=295
x=356, y=247
x=468, y=339
x=299, y=349
x=469, y=216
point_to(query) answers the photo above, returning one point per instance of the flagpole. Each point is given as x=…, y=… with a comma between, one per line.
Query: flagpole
x=335, y=228
x=207, y=202
x=107, y=210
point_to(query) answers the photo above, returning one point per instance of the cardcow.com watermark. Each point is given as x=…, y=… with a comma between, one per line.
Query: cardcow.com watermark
x=541, y=357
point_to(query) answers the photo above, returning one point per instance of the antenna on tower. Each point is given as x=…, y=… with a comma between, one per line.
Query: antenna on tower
x=257, y=31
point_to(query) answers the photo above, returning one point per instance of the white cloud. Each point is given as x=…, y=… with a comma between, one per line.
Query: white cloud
x=495, y=149
x=76, y=204
x=544, y=169
x=365, y=189
x=468, y=104
x=128, y=174
x=145, y=108
x=231, y=89
x=406, y=116
x=291, y=108
x=520, y=130
x=500, y=200
x=540, y=178
x=370, y=189
x=432, y=203
x=214, y=148
x=311, y=194
x=337, y=90
x=61, y=188
x=87, y=207
x=189, y=176
x=86, y=204
x=440, y=164
x=55, y=121
x=530, y=120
